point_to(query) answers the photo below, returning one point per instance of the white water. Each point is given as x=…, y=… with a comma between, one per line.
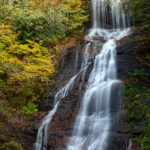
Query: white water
x=129, y=145
x=85, y=63
x=94, y=121
x=108, y=15
x=42, y=136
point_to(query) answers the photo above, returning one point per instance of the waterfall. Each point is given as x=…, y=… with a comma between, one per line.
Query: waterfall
x=94, y=120
x=85, y=63
x=129, y=147
x=110, y=14
x=42, y=136
x=97, y=117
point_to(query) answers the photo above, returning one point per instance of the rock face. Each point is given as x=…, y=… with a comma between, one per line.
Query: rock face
x=126, y=56
x=126, y=63
x=62, y=123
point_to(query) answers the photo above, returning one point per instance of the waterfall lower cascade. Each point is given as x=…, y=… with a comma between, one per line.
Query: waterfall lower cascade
x=96, y=117
x=42, y=137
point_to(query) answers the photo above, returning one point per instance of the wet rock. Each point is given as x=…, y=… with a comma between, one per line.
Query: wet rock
x=62, y=123
x=118, y=141
x=46, y=103
x=91, y=59
x=95, y=38
x=126, y=54
x=100, y=38
x=126, y=63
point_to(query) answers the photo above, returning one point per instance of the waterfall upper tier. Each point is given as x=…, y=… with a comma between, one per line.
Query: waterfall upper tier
x=110, y=14
x=116, y=34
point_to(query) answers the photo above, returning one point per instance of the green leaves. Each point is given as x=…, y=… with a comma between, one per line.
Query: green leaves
x=137, y=102
x=29, y=109
x=140, y=11
x=26, y=71
x=28, y=28
x=46, y=21
x=36, y=24
x=12, y=146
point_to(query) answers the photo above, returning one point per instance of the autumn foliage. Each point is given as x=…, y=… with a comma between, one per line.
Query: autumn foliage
x=32, y=37
x=29, y=35
x=24, y=69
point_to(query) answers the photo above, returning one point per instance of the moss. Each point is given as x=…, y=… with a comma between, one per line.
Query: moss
x=11, y=146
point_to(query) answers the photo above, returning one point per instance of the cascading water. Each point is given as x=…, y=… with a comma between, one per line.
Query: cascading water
x=110, y=14
x=97, y=117
x=129, y=145
x=85, y=63
x=94, y=121
x=42, y=136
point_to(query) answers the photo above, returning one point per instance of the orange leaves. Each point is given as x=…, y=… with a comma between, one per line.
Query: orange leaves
x=37, y=1
x=67, y=4
x=54, y=3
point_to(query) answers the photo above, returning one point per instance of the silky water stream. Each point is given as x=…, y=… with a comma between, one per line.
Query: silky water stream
x=102, y=98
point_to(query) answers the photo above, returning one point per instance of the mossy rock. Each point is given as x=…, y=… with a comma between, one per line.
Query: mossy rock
x=11, y=146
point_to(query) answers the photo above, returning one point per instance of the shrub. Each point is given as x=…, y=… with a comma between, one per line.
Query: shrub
x=45, y=21
x=11, y=146
x=29, y=109
x=36, y=25
x=138, y=105
x=26, y=70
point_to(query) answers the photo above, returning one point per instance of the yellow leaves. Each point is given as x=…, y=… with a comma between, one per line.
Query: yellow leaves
x=24, y=61
x=7, y=35
x=18, y=49
x=31, y=4
x=37, y=1
x=41, y=3
x=2, y=46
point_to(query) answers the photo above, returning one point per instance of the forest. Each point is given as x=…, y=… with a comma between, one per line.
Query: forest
x=35, y=36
